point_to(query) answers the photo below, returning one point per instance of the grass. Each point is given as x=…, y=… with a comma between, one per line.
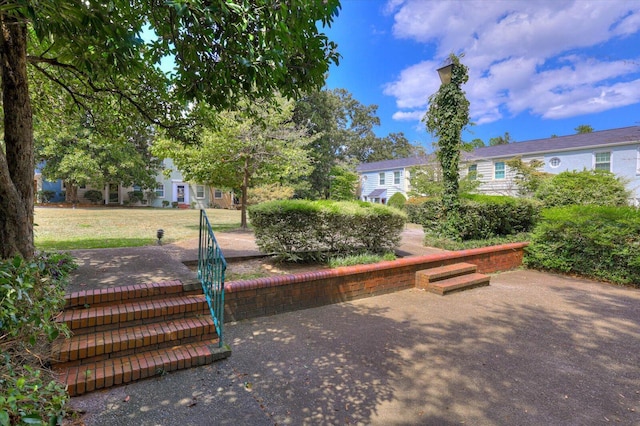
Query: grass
x=361, y=259
x=88, y=228
x=447, y=244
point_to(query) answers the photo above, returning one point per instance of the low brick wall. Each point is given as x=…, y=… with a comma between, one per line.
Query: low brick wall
x=273, y=295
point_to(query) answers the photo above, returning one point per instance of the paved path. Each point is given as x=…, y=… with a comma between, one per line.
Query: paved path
x=531, y=349
x=138, y=265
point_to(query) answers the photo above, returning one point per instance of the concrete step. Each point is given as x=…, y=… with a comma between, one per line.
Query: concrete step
x=458, y=283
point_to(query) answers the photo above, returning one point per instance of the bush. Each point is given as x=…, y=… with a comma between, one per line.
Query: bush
x=415, y=209
x=588, y=187
x=93, y=195
x=595, y=241
x=165, y=203
x=31, y=296
x=45, y=196
x=135, y=196
x=300, y=230
x=397, y=200
x=481, y=216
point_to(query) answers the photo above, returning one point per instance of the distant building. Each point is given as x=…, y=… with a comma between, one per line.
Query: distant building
x=380, y=180
x=615, y=150
x=169, y=190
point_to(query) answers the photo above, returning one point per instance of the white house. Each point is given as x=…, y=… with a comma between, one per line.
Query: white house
x=615, y=150
x=381, y=179
x=170, y=190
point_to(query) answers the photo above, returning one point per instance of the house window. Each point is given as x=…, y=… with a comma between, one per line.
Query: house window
x=199, y=191
x=160, y=190
x=499, y=170
x=554, y=162
x=217, y=194
x=381, y=178
x=396, y=178
x=603, y=161
x=472, y=172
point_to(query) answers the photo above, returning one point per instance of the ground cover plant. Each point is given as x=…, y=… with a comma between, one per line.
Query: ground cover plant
x=69, y=229
x=31, y=296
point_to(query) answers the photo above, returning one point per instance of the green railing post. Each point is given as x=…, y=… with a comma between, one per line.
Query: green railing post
x=211, y=269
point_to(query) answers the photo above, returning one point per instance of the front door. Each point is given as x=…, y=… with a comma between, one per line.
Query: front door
x=181, y=193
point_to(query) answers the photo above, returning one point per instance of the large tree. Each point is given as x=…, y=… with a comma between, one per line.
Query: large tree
x=347, y=137
x=243, y=149
x=224, y=50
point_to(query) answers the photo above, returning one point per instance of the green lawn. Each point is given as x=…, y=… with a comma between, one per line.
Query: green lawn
x=85, y=228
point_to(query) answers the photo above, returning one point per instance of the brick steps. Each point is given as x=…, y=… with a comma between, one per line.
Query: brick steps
x=451, y=278
x=128, y=333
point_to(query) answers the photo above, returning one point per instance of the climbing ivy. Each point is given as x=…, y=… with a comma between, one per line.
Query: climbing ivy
x=448, y=114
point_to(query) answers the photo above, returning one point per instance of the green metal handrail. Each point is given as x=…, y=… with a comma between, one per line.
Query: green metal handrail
x=211, y=269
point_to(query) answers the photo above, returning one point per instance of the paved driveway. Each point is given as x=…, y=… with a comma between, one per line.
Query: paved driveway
x=531, y=349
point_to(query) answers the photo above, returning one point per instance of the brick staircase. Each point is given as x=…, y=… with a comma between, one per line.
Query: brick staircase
x=450, y=278
x=123, y=334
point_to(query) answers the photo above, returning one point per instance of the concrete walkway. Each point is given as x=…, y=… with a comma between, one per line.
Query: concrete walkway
x=531, y=349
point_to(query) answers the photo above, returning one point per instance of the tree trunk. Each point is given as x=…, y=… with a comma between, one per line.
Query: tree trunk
x=16, y=160
x=243, y=200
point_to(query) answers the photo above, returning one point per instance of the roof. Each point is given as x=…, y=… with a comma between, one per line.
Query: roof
x=377, y=193
x=563, y=143
x=398, y=163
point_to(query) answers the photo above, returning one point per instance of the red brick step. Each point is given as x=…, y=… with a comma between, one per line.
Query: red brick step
x=450, y=278
x=127, y=333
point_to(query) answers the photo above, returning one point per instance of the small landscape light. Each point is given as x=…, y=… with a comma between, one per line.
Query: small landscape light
x=160, y=234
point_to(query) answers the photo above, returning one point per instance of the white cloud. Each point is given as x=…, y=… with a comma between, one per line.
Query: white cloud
x=543, y=57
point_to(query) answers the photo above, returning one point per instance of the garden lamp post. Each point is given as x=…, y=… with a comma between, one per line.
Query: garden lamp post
x=448, y=114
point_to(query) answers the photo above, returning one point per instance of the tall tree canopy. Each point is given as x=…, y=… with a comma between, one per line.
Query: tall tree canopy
x=347, y=137
x=584, y=128
x=224, y=51
x=242, y=149
x=501, y=140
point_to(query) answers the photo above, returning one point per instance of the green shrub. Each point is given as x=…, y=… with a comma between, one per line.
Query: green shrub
x=587, y=187
x=45, y=195
x=481, y=216
x=596, y=241
x=93, y=195
x=31, y=296
x=298, y=230
x=135, y=196
x=165, y=203
x=397, y=200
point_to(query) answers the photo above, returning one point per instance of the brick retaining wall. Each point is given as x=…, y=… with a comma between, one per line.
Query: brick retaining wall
x=277, y=294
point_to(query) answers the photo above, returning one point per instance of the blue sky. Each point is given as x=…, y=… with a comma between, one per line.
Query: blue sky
x=536, y=68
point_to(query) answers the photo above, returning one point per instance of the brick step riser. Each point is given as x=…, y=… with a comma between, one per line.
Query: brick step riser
x=468, y=285
x=127, y=294
x=80, y=363
x=90, y=377
x=96, y=320
x=64, y=355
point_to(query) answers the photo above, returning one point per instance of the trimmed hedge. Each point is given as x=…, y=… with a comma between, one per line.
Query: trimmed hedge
x=593, y=241
x=301, y=230
x=586, y=187
x=481, y=216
